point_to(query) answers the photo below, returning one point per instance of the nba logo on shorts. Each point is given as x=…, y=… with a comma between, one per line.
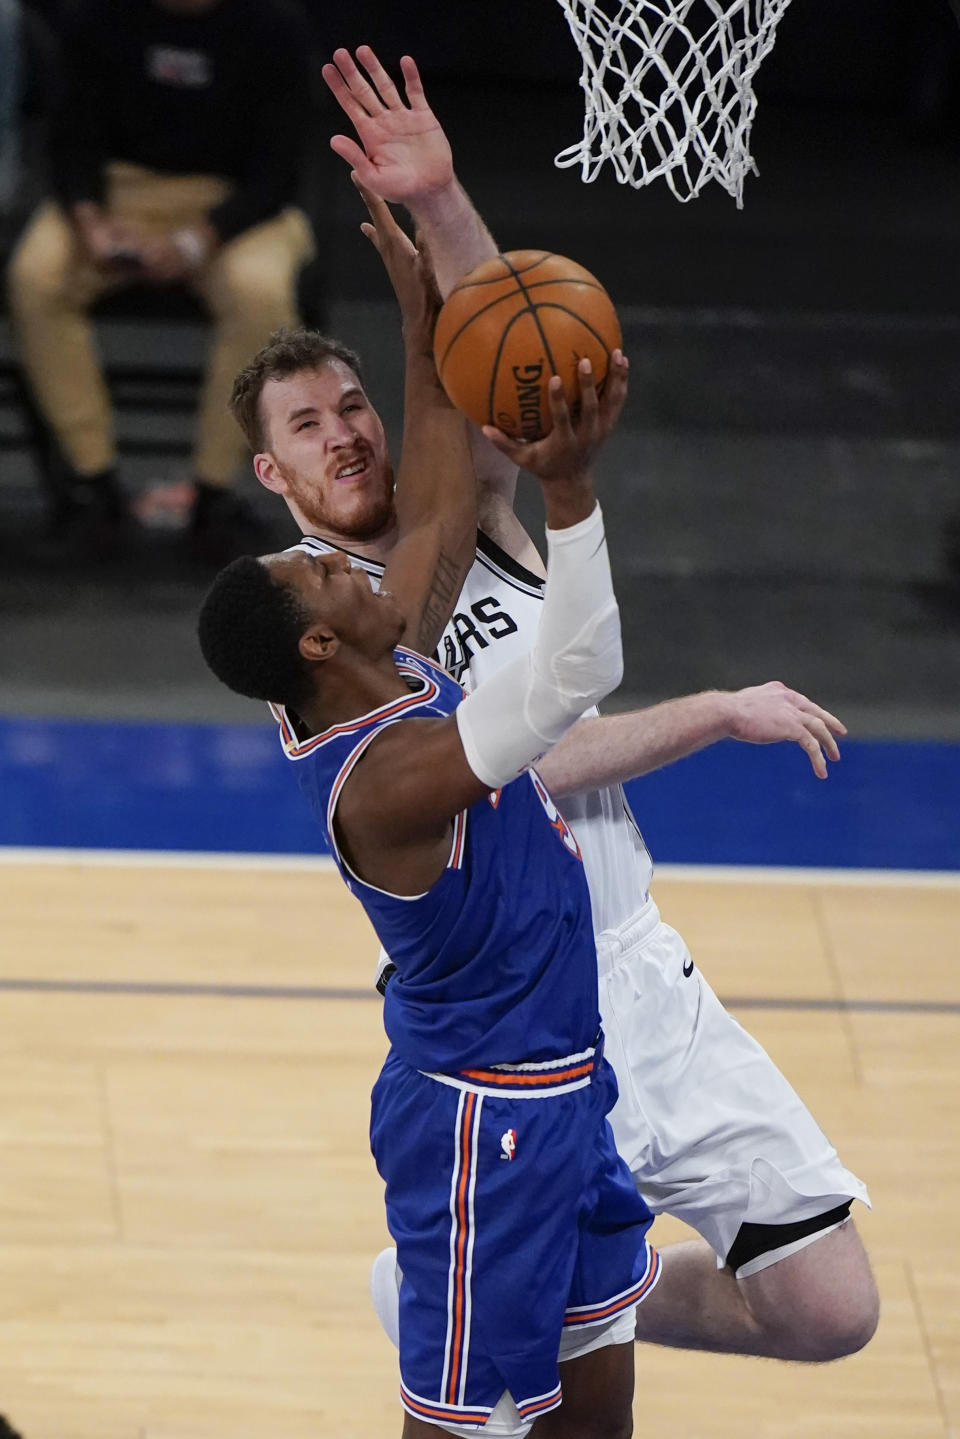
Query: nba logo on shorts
x=508, y=1144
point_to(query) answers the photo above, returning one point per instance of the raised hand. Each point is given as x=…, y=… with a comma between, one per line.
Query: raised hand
x=766, y=714
x=403, y=153
x=573, y=442
x=410, y=274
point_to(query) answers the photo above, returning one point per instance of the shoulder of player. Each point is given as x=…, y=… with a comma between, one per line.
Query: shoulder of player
x=394, y=764
x=410, y=781
x=383, y=800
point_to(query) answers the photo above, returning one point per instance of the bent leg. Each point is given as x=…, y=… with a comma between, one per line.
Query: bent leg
x=817, y=1304
x=715, y=1135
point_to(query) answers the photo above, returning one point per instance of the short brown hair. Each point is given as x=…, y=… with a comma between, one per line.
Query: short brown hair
x=286, y=353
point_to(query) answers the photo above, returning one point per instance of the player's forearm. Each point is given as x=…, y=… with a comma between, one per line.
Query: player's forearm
x=525, y=707
x=454, y=234
x=435, y=503
x=435, y=480
x=614, y=748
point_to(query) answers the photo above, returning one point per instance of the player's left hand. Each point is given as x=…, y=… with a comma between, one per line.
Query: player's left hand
x=403, y=152
x=410, y=274
x=766, y=714
x=576, y=437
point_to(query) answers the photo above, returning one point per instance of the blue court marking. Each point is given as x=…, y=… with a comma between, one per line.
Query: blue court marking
x=228, y=789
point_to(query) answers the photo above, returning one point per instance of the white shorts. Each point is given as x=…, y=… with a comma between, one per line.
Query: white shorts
x=505, y=1422
x=709, y=1127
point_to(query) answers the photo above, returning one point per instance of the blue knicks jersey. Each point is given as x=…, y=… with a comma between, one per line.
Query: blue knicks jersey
x=496, y=961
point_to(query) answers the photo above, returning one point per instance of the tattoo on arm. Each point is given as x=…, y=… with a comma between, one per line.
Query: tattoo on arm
x=438, y=604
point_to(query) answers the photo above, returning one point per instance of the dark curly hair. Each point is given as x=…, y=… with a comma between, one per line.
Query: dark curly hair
x=249, y=628
x=286, y=353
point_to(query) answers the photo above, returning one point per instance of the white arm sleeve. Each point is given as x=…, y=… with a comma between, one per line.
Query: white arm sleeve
x=576, y=659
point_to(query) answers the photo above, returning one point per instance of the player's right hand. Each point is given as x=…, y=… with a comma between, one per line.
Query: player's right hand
x=403, y=153
x=568, y=451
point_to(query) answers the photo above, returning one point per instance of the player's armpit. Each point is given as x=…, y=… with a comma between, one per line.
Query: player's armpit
x=394, y=814
x=496, y=520
x=496, y=474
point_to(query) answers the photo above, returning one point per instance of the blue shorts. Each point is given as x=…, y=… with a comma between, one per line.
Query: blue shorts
x=514, y=1218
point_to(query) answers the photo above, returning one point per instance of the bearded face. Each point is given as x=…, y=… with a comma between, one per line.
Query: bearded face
x=327, y=453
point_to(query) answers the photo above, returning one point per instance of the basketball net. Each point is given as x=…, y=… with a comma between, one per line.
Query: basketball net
x=668, y=89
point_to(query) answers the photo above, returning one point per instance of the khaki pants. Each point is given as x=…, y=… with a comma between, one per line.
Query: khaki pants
x=248, y=287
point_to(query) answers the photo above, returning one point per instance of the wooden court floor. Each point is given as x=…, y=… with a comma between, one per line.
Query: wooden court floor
x=188, y=1208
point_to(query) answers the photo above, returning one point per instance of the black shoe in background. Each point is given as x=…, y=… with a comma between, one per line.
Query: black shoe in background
x=224, y=525
x=88, y=522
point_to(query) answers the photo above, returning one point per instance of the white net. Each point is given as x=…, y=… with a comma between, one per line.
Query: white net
x=668, y=89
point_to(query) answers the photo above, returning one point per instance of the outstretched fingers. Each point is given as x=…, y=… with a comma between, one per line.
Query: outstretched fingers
x=412, y=83
x=354, y=91
x=349, y=150
x=386, y=89
x=341, y=91
x=816, y=727
x=830, y=720
x=807, y=742
x=614, y=390
x=813, y=736
x=378, y=210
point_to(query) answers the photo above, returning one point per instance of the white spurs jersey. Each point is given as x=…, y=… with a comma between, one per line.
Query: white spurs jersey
x=496, y=619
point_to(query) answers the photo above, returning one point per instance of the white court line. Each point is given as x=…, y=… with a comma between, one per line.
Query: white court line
x=294, y=863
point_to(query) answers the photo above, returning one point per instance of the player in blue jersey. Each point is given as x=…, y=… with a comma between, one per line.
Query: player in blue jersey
x=520, y=1232
x=727, y=1145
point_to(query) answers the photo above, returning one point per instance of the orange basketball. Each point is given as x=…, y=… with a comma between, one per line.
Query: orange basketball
x=512, y=323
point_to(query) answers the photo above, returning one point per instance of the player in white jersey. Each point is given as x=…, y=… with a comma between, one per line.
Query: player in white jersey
x=711, y=1130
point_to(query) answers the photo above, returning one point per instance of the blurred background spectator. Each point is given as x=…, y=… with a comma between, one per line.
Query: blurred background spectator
x=793, y=435
x=177, y=145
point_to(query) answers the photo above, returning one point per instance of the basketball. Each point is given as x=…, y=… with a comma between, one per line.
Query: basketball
x=512, y=323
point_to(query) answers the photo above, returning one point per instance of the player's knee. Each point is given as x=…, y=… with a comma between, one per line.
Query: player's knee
x=849, y=1327
x=832, y=1327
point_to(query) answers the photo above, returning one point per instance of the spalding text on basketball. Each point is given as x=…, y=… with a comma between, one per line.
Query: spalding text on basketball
x=527, y=380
